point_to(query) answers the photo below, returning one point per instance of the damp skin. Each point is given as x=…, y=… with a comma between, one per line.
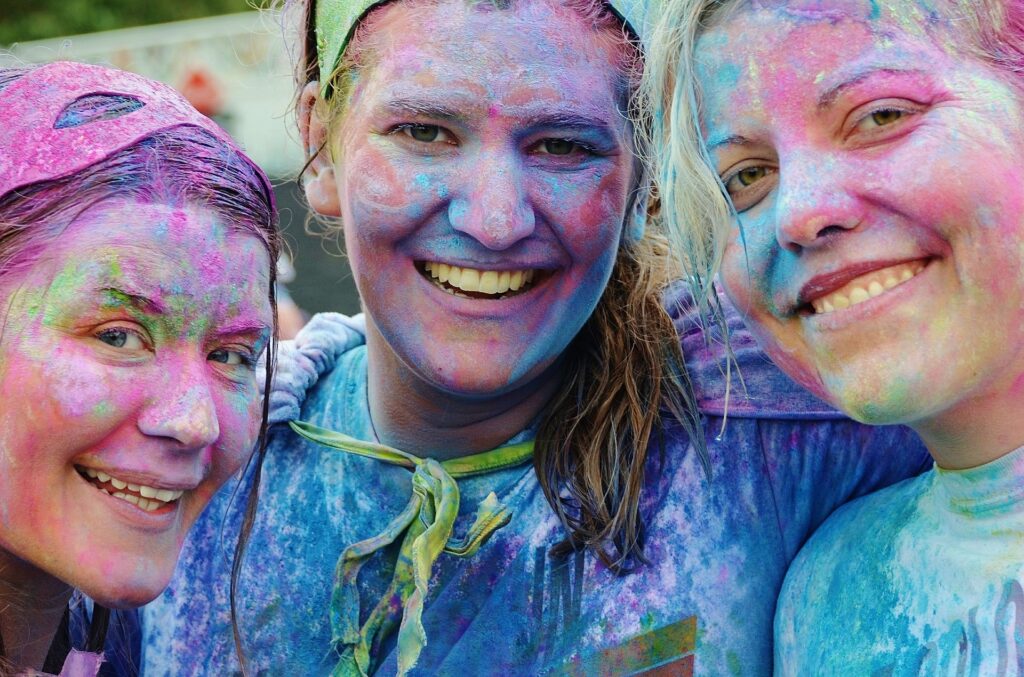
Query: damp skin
x=129, y=348
x=528, y=166
x=891, y=148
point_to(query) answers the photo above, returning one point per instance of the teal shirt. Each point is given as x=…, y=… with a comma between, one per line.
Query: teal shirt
x=923, y=578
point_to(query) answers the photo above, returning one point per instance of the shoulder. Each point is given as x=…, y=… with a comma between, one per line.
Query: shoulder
x=303, y=361
x=854, y=538
x=842, y=576
x=749, y=387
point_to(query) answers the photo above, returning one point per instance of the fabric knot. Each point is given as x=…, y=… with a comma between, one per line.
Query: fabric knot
x=425, y=530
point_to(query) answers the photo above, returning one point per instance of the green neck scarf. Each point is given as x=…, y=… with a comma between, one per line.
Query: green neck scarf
x=425, y=527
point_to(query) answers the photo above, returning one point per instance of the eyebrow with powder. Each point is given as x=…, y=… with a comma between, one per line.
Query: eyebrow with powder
x=135, y=300
x=569, y=120
x=423, y=108
x=732, y=140
x=830, y=95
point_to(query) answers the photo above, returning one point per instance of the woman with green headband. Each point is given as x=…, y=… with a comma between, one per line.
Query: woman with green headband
x=505, y=466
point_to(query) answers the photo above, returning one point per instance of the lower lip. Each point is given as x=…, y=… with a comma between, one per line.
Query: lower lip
x=487, y=308
x=866, y=310
x=160, y=519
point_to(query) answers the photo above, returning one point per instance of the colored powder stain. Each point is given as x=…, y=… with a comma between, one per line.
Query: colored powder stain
x=102, y=408
x=876, y=11
x=733, y=661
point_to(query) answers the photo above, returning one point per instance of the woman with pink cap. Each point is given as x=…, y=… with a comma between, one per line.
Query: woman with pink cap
x=136, y=295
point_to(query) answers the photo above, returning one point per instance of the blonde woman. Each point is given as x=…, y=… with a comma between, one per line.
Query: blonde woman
x=857, y=167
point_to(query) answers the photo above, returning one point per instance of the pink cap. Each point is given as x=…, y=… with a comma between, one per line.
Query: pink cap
x=34, y=147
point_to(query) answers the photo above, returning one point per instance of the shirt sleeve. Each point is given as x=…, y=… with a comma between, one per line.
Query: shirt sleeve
x=815, y=457
x=302, y=361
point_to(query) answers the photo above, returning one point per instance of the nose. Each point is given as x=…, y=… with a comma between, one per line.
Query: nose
x=812, y=205
x=494, y=208
x=182, y=408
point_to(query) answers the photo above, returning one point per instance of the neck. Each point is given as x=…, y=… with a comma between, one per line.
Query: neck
x=32, y=604
x=417, y=417
x=978, y=429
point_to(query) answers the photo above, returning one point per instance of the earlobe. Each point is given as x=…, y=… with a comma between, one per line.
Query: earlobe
x=636, y=220
x=318, y=178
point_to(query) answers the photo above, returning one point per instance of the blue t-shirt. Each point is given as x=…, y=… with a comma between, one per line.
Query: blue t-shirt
x=924, y=578
x=717, y=546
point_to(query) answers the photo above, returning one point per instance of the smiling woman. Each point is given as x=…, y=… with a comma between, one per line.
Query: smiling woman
x=875, y=243
x=136, y=290
x=461, y=479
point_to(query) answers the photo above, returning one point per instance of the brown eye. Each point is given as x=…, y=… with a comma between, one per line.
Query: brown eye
x=749, y=185
x=751, y=175
x=886, y=117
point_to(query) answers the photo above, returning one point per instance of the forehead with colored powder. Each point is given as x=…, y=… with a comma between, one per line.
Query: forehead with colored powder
x=759, y=47
x=471, y=59
x=181, y=264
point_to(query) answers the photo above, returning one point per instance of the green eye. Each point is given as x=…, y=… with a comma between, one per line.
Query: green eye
x=424, y=133
x=886, y=117
x=558, y=146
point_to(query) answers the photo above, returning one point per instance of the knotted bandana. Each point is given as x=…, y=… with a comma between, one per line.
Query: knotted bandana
x=425, y=529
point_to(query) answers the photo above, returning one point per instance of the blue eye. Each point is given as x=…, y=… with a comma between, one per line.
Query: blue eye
x=120, y=337
x=232, y=358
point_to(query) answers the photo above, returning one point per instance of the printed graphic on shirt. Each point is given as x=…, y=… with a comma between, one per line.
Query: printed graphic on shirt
x=961, y=649
x=556, y=604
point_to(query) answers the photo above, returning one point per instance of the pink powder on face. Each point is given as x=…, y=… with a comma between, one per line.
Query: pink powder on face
x=892, y=149
x=115, y=340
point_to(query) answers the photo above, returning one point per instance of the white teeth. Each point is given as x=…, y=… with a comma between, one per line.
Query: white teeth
x=866, y=287
x=148, y=498
x=481, y=281
x=168, y=495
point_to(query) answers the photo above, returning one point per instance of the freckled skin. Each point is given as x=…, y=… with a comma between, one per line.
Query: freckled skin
x=171, y=403
x=943, y=181
x=484, y=194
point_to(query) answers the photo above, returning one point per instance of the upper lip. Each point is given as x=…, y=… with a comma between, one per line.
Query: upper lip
x=496, y=265
x=145, y=478
x=826, y=283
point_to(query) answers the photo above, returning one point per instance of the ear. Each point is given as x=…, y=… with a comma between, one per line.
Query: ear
x=318, y=179
x=636, y=220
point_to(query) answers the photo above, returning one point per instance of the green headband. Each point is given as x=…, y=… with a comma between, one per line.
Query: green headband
x=336, y=21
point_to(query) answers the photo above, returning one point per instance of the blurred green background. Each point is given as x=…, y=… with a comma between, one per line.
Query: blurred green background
x=24, y=20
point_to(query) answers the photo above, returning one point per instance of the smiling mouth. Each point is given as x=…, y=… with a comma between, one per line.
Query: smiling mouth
x=145, y=497
x=865, y=287
x=480, y=284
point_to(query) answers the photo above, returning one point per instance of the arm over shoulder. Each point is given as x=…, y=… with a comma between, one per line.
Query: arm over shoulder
x=314, y=352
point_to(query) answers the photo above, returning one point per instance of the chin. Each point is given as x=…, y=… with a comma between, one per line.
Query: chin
x=128, y=586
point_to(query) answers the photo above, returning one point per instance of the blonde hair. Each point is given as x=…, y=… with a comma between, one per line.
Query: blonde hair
x=695, y=209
